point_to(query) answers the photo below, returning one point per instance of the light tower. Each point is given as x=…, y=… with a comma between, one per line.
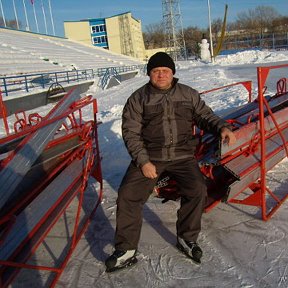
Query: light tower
x=173, y=29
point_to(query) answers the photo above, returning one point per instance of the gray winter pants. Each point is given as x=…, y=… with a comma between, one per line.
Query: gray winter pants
x=135, y=190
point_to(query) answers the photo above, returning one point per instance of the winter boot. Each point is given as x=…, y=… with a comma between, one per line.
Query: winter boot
x=191, y=249
x=120, y=259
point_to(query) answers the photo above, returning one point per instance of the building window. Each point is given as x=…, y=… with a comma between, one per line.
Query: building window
x=102, y=40
x=98, y=28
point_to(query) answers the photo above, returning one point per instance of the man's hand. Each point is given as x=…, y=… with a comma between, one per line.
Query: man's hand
x=149, y=170
x=227, y=136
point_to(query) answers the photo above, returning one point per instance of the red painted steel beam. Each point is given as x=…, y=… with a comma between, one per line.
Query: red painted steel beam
x=88, y=136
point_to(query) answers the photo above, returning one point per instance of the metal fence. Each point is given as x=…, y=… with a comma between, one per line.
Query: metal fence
x=28, y=82
x=262, y=41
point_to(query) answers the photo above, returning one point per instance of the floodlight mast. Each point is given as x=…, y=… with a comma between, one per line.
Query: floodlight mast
x=173, y=29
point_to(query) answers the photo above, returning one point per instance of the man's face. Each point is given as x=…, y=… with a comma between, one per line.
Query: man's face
x=161, y=77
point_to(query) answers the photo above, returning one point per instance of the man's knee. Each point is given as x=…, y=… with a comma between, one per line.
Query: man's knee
x=196, y=189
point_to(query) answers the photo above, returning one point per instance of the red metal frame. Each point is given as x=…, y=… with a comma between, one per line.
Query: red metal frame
x=240, y=162
x=246, y=84
x=87, y=131
x=3, y=114
x=260, y=189
x=167, y=187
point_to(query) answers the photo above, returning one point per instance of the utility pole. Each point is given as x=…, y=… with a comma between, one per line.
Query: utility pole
x=173, y=29
x=210, y=32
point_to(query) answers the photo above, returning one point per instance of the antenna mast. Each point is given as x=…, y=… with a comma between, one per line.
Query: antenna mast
x=173, y=29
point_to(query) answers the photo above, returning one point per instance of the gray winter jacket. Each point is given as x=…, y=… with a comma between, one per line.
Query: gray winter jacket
x=157, y=125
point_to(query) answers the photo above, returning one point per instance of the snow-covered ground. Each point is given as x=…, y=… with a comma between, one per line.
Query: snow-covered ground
x=240, y=250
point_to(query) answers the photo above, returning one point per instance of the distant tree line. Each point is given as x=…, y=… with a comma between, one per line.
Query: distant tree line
x=259, y=21
x=9, y=23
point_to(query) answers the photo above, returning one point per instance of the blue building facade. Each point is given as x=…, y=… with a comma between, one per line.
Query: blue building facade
x=98, y=32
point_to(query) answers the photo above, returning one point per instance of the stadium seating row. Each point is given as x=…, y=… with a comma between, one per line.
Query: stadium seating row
x=25, y=52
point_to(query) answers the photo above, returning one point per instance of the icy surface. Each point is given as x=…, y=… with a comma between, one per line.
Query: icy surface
x=240, y=250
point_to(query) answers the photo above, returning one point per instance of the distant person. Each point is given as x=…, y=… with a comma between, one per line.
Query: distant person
x=157, y=126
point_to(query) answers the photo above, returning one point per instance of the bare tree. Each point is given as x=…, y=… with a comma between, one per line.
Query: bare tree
x=248, y=25
x=216, y=27
x=154, y=36
x=257, y=20
x=10, y=23
x=280, y=24
x=2, y=21
x=13, y=24
x=193, y=36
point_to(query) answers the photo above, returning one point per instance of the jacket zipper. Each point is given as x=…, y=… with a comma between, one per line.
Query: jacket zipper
x=170, y=128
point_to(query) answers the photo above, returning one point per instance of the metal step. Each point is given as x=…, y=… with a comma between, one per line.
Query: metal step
x=40, y=207
x=248, y=168
x=245, y=134
x=39, y=174
x=20, y=164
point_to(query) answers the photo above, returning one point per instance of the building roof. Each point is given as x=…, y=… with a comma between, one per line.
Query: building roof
x=103, y=18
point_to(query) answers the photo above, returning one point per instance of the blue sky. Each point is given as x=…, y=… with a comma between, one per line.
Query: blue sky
x=194, y=12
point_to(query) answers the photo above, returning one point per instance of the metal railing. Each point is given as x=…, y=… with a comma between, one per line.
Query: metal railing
x=112, y=72
x=28, y=82
x=119, y=69
x=260, y=41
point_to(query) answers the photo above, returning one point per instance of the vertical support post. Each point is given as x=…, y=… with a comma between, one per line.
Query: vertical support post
x=262, y=142
x=43, y=81
x=5, y=87
x=26, y=84
x=3, y=114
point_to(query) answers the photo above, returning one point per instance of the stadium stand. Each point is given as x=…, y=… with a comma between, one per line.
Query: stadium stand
x=14, y=61
x=25, y=52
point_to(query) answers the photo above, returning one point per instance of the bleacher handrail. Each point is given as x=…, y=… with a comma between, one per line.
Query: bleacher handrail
x=28, y=82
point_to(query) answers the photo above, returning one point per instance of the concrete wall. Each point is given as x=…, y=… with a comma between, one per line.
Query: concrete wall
x=79, y=31
x=120, y=78
x=128, y=41
x=151, y=52
x=137, y=39
x=113, y=34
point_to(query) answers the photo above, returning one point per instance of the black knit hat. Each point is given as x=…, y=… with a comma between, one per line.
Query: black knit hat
x=160, y=59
